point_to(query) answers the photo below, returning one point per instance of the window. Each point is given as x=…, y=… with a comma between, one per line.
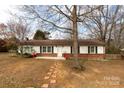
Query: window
x=47, y=49
x=92, y=49
x=44, y=49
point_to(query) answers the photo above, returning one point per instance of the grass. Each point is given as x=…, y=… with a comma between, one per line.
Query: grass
x=98, y=74
x=17, y=72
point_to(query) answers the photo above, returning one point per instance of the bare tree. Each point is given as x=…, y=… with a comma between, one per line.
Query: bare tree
x=118, y=33
x=19, y=28
x=3, y=30
x=102, y=23
x=57, y=17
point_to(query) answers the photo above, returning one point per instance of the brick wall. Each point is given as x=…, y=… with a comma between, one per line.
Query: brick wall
x=47, y=54
x=86, y=56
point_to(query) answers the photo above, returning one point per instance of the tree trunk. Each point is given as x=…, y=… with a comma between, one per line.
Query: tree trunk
x=75, y=38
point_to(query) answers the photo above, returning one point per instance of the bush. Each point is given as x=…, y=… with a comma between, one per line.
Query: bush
x=112, y=50
x=3, y=47
x=12, y=47
x=27, y=55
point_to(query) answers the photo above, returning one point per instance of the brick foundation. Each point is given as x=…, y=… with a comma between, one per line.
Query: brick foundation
x=47, y=54
x=67, y=55
x=86, y=56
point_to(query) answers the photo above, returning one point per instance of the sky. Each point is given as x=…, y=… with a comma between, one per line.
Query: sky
x=4, y=13
x=5, y=4
x=4, y=16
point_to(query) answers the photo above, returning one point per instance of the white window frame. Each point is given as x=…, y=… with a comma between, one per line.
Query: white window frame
x=46, y=49
x=94, y=50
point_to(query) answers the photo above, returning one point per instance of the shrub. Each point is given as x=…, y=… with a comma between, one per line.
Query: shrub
x=3, y=47
x=112, y=50
x=27, y=55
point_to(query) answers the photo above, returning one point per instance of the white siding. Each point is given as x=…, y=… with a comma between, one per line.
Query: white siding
x=55, y=49
x=83, y=49
x=62, y=49
x=37, y=49
x=101, y=49
x=66, y=49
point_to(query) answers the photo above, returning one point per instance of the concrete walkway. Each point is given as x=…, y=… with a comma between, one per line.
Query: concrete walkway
x=56, y=58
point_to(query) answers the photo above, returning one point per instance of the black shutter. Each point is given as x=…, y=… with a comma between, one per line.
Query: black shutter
x=40, y=49
x=71, y=49
x=88, y=49
x=78, y=49
x=52, y=49
x=96, y=49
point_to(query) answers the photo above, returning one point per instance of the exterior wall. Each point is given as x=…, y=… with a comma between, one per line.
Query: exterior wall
x=84, y=49
x=66, y=52
x=86, y=56
x=37, y=49
x=47, y=54
x=55, y=49
x=66, y=49
x=84, y=53
x=101, y=49
x=62, y=49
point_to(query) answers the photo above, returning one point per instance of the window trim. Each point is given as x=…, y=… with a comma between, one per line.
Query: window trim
x=46, y=51
x=95, y=49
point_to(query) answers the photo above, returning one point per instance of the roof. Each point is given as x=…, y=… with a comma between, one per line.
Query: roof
x=60, y=42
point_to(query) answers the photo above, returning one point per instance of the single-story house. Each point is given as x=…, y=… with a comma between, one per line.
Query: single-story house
x=63, y=48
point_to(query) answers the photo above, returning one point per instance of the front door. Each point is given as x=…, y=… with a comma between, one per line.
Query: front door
x=59, y=51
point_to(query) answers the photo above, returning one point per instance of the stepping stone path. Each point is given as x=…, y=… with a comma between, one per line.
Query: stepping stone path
x=53, y=81
x=45, y=85
x=46, y=77
x=50, y=78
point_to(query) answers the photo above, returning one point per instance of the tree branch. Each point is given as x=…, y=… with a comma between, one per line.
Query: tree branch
x=90, y=11
x=49, y=21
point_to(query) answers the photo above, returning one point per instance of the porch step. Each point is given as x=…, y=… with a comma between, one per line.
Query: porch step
x=56, y=58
